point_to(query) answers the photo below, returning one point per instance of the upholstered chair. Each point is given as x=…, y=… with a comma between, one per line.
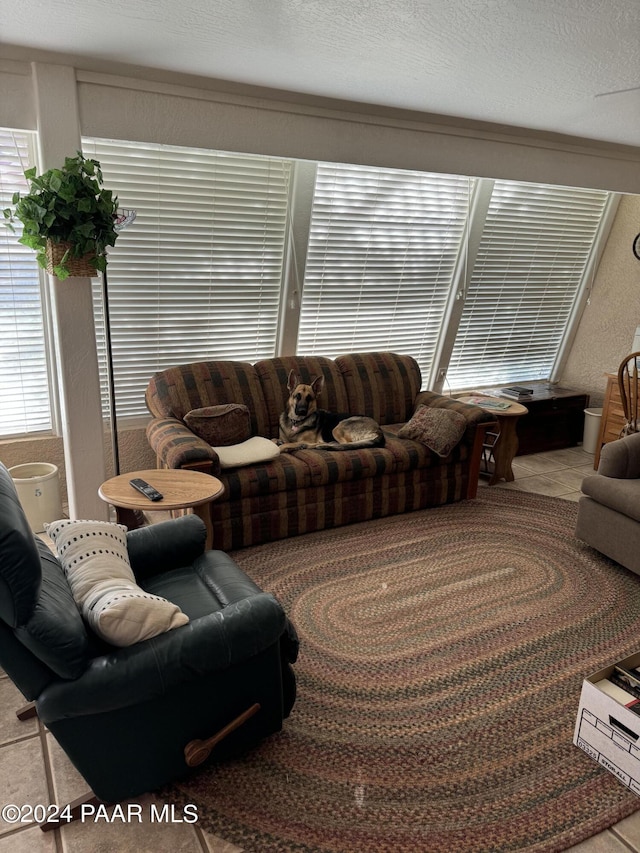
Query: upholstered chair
x=134, y=717
x=609, y=509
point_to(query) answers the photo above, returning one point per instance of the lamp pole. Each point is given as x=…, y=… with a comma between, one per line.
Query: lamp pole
x=110, y=381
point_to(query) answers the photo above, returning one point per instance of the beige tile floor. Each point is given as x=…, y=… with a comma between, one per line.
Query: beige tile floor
x=33, y=769
x=557, y=473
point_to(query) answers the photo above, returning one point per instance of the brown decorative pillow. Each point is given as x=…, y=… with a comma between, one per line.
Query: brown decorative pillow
x=439, y=429
x=220, y=426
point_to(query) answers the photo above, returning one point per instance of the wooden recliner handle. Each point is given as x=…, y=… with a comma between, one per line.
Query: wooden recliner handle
x=197, y=751
x=27, y=712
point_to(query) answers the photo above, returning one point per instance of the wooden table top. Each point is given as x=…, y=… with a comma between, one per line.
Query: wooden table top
x=514, y=410
x=180, y=489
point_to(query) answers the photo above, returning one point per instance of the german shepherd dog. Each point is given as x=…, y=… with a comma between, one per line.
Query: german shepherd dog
x=303, y=424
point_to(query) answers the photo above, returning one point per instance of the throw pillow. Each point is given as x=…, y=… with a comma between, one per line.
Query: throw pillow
x=439, y=429
x=220, y=425
x=256, y=449
x=95, y=560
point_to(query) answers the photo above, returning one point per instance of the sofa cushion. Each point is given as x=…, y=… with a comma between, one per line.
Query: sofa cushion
x=95, y=559
x=220, y=425
x=621, y=495
x=439, y=429
x=173, y=392
x=382, y=385
x=339, y=466
x=274, y=374
x=282, y=475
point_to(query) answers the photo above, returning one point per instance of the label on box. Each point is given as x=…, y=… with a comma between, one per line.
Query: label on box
x=607, y=732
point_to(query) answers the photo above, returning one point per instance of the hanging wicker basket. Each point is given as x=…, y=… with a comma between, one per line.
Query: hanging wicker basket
x=77, y=266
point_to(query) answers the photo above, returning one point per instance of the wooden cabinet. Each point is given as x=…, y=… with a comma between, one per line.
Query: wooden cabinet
x=612, y=416
x=555, y=419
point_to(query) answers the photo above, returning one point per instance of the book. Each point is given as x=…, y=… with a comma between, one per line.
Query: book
x=516, y=395
x=519, y=389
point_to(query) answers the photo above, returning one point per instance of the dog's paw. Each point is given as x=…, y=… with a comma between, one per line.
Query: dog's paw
x=278, y=441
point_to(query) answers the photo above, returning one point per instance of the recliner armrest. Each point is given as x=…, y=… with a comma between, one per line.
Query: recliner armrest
x=165, y=546
x=177, y=447
x=621, y=459
x=147, y=670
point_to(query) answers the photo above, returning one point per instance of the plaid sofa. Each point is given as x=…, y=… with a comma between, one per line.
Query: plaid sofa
x=311, y=489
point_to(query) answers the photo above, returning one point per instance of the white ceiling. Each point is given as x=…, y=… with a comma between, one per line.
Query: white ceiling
x=542, y=64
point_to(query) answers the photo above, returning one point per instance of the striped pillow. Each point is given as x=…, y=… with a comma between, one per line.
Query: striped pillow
x=95, y=560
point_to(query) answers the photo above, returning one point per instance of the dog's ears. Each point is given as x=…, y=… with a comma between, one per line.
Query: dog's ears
x=293, y=380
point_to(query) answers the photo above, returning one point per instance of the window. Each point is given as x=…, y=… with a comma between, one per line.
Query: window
x=383, y=247
x=386, y=249
x=24, y=380
x=198, y=274
x=534, y=248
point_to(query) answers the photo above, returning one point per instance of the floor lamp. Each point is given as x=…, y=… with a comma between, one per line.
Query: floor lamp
x=115, y=453
x=123, y=219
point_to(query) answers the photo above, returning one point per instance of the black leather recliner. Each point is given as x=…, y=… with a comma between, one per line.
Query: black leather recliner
x=132, y=719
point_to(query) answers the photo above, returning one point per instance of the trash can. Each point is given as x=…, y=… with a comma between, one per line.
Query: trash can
x=592, y=418
x=38, y=488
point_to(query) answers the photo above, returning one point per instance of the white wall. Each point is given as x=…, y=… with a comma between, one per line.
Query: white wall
x=609, y=321
x=126, y=102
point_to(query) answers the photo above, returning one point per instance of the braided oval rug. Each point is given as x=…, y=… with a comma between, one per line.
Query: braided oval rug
x=442, y=657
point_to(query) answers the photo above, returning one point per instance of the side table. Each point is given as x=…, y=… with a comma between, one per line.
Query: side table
x=180, y=489
x=505, y=446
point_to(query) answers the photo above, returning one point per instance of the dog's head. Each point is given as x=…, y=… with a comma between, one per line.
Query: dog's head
x=302, y=397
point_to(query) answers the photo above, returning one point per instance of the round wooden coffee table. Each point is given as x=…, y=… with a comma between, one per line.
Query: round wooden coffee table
x=506, y=444
x=180, y=490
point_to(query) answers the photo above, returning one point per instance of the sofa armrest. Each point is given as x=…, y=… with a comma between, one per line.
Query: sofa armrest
x=176, y=446
x=166, y=546
x=474, y=415
x=479, y=422
x=150, y=669
x=621, y=458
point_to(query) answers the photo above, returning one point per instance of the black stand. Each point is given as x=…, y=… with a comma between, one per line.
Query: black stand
x=110, y=382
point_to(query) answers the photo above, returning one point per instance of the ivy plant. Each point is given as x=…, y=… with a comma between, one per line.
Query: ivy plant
x=68, y=205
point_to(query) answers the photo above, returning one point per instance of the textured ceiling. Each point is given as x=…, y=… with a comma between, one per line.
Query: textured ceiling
x=541, y=64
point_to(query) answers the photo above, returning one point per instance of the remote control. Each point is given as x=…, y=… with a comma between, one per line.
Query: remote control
x=145, y=489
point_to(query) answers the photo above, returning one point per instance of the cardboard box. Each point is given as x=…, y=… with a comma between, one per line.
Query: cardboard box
x=607, y=730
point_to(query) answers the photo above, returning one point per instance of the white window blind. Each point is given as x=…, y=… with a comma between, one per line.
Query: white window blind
x=534, y=248
x=24, y=381
x=382, y=250
x=198, y=274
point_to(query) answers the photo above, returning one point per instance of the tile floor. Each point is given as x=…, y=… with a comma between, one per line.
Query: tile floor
x=557, y=473
x=33, y=769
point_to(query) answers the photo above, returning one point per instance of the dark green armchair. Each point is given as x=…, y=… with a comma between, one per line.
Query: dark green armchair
x=133, y=719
